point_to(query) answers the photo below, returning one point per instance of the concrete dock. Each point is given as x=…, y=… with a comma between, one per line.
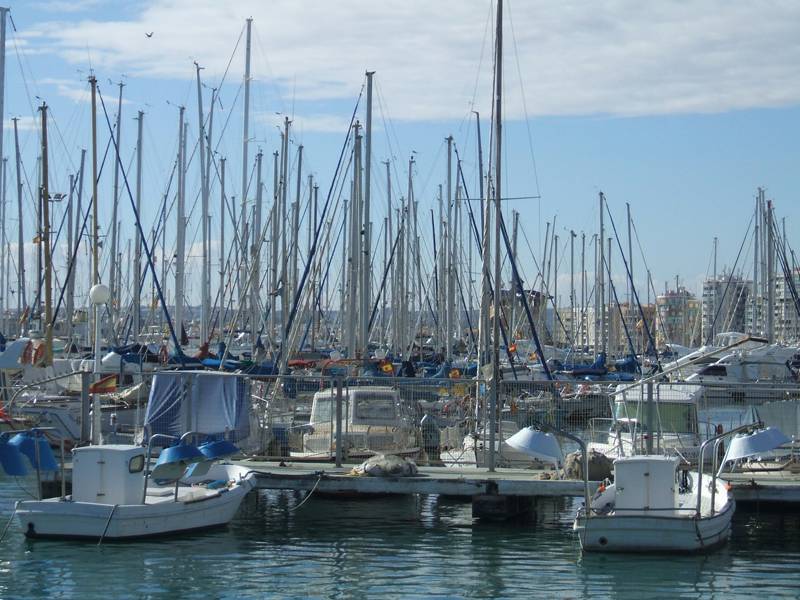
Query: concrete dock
x=775, y=487
x=498, y=494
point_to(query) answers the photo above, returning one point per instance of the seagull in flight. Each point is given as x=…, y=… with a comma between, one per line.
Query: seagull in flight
x=149, y=34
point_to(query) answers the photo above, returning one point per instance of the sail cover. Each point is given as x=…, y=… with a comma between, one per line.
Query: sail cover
x=212, y=403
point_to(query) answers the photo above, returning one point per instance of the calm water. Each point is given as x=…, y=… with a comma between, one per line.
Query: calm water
x=393, y=548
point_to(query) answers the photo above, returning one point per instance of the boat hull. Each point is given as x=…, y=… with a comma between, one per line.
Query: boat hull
x=55, y=518
x=635, y=533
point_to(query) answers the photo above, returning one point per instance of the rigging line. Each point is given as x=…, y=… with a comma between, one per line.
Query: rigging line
x=730, y=277
x=175, y=340
x=650, y=339
x=25, y=80
x=390, y=128
x=524, y=102
x=283, y=352
x=619, y=310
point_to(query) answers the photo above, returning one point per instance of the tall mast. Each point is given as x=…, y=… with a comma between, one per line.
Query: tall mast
x=255, y=319
x=113, y=284
x=205, y=299
x=366, y=270
x=390, y=236
x=45, y=240
x=273, y=298
x=601, y=278
x=180, y=257
x=70, y=299
x=21, y=301
x=770, y=237
x=95, y=222
x=283, y=229
x=295, y=250
x=448, y=248
x=583, y=328
x=78, y=221
x=245, y=165
x=572, y=289
x=495, y=394
x=221, y=245
x=137, y=254
x=754, y=329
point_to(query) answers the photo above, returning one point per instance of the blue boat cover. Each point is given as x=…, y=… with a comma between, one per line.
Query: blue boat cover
x=206, y=402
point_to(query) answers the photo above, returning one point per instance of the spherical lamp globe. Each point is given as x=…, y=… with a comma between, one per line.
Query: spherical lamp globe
x=99, y=294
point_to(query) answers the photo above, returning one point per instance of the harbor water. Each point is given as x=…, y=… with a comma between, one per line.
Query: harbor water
x=393, y=547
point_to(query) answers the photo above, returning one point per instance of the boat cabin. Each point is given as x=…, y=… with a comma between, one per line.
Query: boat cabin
x=644, y=484
x=108, y=474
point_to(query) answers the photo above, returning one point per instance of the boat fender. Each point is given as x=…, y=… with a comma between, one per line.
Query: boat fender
x=719, y=429
x=163, y=355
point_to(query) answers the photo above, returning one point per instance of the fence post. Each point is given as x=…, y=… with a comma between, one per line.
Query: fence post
x=85, y=407
x=338, y=421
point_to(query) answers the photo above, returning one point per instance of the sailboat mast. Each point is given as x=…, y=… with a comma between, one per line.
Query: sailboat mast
x=221, y=246
x=205, y=300
x=366, y=270
x=95, y=223
x=245, y=162
x=601, y=278
x=113, y=284
x=137, y=254
x=180, y=252
x=448, y=247
x=255, y=320
x=70, y=283
x=45, y=239
x=494, y=399
x=21, y=301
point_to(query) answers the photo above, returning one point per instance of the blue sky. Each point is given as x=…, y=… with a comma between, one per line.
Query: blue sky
x=680, y=109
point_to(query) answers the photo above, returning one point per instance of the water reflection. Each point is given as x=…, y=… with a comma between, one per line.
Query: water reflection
x=395, y=547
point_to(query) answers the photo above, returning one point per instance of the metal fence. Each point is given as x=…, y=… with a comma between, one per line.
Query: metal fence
x=441, y=421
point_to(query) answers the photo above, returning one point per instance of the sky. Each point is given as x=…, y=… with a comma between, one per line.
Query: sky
x=679, y=109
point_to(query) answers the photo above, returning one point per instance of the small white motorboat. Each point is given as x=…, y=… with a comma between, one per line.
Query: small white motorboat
x=654, y=506
x=114, y=496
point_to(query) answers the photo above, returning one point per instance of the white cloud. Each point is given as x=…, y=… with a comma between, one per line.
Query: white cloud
x=614, y=57
x=24, y=123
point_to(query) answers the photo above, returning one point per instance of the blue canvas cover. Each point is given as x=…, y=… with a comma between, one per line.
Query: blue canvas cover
x=206, y=402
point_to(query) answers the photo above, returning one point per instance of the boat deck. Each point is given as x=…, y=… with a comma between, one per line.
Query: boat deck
x=469, y=482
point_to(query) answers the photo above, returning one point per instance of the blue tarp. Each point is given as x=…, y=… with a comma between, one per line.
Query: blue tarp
x=209, y=403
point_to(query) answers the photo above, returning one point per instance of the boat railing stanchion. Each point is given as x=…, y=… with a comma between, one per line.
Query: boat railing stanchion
x=700, y=462
x=148, y=457
x=37, y=454
x=63, y=473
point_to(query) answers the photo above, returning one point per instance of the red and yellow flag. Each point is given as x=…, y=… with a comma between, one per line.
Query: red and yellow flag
x=106, y=385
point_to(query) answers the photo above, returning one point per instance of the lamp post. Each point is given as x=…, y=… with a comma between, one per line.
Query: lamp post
x=99, y=294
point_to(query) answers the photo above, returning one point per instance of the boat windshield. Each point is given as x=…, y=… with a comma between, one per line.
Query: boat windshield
x=671, y=417
x=376, y=408
x=372, y=408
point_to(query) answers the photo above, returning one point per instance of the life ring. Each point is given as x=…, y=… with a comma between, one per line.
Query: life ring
x=27, y=354
x=38, y=355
